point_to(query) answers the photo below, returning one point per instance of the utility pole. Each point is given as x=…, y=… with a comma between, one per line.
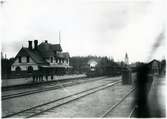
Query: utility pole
x=59, y=38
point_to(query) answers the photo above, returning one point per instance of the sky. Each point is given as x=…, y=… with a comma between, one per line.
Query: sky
x=87, y=27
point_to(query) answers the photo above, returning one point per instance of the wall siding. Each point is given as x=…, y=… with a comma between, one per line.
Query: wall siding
x=24, y=65
x=66, y=61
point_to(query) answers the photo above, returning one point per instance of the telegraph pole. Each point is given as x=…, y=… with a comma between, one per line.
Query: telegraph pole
x=59, y=38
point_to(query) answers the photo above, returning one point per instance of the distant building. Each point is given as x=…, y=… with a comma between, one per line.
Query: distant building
x=44, y=57
x=154, y=67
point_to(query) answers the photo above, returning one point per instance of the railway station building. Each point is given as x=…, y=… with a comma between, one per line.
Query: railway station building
x=45, y=57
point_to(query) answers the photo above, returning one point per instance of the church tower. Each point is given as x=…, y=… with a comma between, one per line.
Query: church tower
x=126, y=59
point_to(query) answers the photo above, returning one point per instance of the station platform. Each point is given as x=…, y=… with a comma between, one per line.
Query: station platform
x=24, y=81
x=157, y=97
x=156, y=100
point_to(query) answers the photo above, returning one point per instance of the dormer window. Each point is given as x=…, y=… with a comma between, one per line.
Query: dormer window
x=19, y=59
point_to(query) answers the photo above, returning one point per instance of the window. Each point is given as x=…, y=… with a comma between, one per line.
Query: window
x=56, y=60
x=18, y=69
x=19, y=59
x=30, y=69
x=51, y=59
x=28, y=59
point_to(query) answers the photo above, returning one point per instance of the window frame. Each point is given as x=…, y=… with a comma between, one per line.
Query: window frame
x=51, y=59
x=20, y=59
x=30, y=69
x=18, y=69
x=28, y=59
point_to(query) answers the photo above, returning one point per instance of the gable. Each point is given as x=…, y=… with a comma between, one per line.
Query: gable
x=22, y=52
x=56, y=47
x=24, y=61
x=34, y=55
x=63, y=55
x=45, y=50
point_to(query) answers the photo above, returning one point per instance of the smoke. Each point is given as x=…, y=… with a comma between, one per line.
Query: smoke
x=158, y=42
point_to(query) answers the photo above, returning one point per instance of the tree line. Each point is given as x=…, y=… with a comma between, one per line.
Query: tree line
x=104, y=65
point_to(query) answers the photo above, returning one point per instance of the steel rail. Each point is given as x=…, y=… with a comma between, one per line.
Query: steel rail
x=88, y=92
x=132, y=112
x=115, y=105
x=5, y=97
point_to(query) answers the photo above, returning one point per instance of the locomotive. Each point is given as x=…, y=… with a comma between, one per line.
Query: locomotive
x=104, y=70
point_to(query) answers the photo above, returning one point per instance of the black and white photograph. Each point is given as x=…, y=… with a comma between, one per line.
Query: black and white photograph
x=83, y=58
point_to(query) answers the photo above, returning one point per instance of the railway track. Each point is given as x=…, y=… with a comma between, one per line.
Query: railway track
x=53, y=87
x=39, y=109
x=132, y=111
x=109, y=110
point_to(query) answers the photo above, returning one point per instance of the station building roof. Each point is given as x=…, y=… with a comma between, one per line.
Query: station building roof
x=42, y=52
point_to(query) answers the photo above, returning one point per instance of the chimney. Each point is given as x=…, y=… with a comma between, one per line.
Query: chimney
x=35, y=44
x=46, y=41
x=30, y=45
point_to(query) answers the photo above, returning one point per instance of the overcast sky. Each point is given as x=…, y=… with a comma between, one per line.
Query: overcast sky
x=88, y=27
